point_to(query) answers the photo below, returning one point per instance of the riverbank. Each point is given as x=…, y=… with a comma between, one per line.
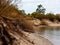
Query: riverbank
x=36, y=23
x=44, y=23
x=30, y=39
x=15, y=32
x=38, y=40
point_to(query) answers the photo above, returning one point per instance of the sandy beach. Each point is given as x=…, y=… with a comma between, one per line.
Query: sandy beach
x=38, y=40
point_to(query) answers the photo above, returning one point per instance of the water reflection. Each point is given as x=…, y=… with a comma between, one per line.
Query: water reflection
x=51, y=33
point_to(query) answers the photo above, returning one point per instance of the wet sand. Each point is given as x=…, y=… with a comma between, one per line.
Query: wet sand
x=38, y=40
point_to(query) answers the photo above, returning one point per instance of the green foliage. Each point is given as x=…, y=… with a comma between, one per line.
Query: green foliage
x=34, y=14
x=38, y=15
x=22, y=12
x=29, y=15
x=11, y=11
x=50, y=16
x=58, y=17
x=40, y=9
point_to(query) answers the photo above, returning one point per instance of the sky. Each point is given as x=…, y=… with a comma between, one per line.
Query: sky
x=51, y=6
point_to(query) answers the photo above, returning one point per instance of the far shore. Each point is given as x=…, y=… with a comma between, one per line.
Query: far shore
x=36, y=23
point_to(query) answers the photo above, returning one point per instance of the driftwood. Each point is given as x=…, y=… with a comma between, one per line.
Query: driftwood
x=11, y=32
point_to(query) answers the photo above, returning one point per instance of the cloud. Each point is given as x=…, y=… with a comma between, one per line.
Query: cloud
x=50, y=5
x=27, y=0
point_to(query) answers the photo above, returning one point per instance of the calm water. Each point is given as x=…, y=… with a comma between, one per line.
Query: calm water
x=51, y=33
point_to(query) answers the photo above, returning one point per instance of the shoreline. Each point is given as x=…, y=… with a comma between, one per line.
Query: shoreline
x=36, y=23
x=38, y=27
x=37, y=40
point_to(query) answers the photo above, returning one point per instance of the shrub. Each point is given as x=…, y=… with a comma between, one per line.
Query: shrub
x=50, y=16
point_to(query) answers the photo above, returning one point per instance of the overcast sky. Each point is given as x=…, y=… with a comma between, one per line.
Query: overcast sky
x=30, y=6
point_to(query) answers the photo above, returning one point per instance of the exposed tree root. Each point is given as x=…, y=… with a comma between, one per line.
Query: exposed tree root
x=8, y=27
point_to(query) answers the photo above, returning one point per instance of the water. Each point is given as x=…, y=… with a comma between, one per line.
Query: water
x=50, y=33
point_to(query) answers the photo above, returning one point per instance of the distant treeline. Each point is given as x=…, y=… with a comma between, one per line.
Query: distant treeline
x=10, y=10
x=40, y=14
x=49, y=16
